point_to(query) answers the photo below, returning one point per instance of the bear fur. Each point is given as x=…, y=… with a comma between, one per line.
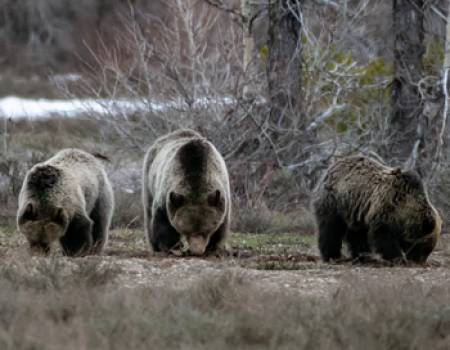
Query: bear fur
x=67, y=198
x=374, y=209
x=186, y=195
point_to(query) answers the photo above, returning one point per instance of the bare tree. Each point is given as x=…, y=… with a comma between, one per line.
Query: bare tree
x=249, y=50
x=284, y=61
x=446, y=93
x=407, y=126
x=187, y=71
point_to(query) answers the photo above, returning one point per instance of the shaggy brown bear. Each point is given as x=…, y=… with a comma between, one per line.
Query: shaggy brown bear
x=66, y=198
x=374, y=208
x=186, y=195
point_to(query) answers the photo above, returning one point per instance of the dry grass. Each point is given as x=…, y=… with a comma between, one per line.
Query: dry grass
x=263, y=220
x=81, y=303
x=30, y=87
x=48, y=135
x=56, y=309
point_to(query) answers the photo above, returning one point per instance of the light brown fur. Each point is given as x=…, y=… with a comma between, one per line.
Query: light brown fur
x=200, y=184
x=67, y=198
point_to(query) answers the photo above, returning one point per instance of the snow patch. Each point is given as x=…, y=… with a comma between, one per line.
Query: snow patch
x=16, y=107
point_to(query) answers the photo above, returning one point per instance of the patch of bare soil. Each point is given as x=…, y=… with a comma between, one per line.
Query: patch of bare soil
x=314, y=278
x=292, y=272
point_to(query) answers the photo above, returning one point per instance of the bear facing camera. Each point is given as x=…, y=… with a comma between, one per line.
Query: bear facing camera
x=69, y=199
x=186, y=195
x=377, y=209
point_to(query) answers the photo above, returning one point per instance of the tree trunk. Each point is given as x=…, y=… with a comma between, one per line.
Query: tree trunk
x=249, y=54
x=446, y=93
x=407, y=117
x=283, y=69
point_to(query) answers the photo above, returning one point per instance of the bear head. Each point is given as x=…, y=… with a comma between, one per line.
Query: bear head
x=42, y=225
x=413, y=212
x=196, y=217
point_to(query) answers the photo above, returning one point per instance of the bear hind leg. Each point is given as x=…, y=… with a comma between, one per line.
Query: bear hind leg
x=386, y=243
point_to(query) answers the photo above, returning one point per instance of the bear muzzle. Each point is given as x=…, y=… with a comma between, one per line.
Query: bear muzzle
x=39, y=248
x=197, y=245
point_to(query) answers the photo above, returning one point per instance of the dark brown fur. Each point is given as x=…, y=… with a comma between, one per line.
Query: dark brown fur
x=374, y=208
x=193, y=157
x=43, y=178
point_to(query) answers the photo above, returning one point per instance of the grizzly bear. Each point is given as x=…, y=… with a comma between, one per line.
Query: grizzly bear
x=69, y=199
x=186, y=195
x=374, y=209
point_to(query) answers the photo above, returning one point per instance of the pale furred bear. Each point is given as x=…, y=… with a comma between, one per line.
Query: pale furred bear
x=186, y=195
x=69, y=199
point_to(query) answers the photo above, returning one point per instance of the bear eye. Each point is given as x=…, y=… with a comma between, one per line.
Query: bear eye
x=176, y=199
x=214, y=199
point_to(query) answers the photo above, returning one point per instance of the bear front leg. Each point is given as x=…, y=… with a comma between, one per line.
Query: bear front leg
x=331, y=232
x=217, y=241
x=163, y=236
x=419, y=251
x=101, y=217
x=78, y=237
x=147, y=202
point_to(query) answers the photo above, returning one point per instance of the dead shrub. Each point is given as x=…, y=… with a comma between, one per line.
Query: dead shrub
x=128, y=210
x=263, y=220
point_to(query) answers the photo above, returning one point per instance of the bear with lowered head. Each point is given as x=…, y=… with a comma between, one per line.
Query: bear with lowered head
x=374, y=208
x=186, y=195
x=66, y=199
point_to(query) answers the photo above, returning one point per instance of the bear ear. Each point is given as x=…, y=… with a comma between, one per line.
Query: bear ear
x=28, y=214
x=394, y=171
x=214, y=199
x=176, y=199
x=60, y=217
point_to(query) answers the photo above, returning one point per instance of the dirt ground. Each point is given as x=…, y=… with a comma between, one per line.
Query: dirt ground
x=311, y=278
x=286, y=263
x=279, y=269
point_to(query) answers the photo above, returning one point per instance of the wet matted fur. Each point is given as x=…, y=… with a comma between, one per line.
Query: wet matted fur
x=186, y=194
x=69, y=199
x=374, y=208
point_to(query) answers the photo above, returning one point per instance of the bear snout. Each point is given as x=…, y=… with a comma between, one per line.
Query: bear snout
x=197, y=245
x=39, y=248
